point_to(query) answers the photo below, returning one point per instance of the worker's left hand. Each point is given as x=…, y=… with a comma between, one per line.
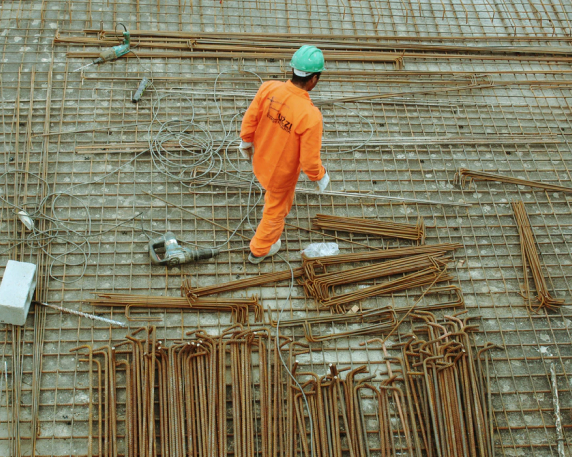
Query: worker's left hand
x=323, y=183
x=246, y=150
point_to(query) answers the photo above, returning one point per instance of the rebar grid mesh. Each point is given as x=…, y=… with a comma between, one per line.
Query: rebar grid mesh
x=97, y=106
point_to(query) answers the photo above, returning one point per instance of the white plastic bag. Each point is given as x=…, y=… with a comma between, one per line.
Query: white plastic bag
x=321, y=250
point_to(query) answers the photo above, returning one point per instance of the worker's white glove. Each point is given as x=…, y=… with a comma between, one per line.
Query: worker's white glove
x=246, y=150
x=323, y=183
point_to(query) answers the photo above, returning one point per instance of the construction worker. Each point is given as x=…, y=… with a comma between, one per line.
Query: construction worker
x=282, y=134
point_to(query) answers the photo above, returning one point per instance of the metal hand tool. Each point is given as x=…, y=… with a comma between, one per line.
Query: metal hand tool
x=140, y=90
x=173, y=254
x=114, y=53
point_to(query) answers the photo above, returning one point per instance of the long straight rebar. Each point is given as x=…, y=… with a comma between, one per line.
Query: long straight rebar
x=465, y=175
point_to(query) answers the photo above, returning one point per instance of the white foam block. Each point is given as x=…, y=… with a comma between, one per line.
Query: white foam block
x=16, y=292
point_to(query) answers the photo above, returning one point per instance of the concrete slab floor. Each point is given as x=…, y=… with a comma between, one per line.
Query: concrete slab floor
x=370, y=147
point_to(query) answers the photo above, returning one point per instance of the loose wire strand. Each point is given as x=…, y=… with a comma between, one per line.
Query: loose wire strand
x=287, y=300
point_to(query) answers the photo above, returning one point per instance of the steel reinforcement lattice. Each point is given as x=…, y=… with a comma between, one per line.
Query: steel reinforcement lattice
x=56, y=122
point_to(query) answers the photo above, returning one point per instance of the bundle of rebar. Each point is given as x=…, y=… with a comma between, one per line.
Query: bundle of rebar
x=194, y=292
x=183, y=399
x=432, y=400
x=313, y=264
x=379, y=320
x=421, y=278
x=231, y=395
x=531, y=259
x=321, y=287
x=371, y=227
x=447, y=390
x=421, y=270
x=426, y=268
x=465, y=175
x=336, y=47
x=239, y=308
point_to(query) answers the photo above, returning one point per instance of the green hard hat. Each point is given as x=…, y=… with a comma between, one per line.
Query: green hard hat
x=308, y=59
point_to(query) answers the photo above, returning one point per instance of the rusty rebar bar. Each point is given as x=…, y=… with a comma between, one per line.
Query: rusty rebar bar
x=531, y=259
x=372, y=227
x=465, y=175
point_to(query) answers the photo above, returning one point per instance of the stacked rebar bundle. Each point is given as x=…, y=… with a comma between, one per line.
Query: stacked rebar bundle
x=185, y=398
x=465, y=175
x=421, y=278
x=193, y=292
x=531, y=259
x=240, y=308
x=421, y=270
x=336, y=47
x=375, y=321
x=231, y=395
x=371, y=227
x=312, y=264
x=321, y=287
x=444, y=379
x=432, y=400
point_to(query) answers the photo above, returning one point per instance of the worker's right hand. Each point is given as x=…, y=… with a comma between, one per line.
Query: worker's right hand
x=246, y=150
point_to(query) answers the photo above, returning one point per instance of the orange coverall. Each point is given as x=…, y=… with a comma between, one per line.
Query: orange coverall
x=286, y=130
